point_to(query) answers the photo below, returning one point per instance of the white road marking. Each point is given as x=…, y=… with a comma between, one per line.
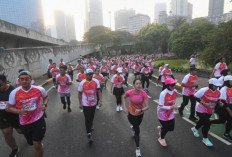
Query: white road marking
x=148, y=96
x=212, y=134
x=156, y=101
x=129, y=84
x=49, y=89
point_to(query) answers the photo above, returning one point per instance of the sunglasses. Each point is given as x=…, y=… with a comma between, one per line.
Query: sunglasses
x=172, y=85
x=24, y=79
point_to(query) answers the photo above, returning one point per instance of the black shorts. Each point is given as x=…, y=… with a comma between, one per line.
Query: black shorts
x=9, y=122
x=105, y=74
x=34, y=131
x=54, y=79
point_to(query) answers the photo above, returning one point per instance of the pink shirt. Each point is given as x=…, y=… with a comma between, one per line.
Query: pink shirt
x=117, y=81
x=54, y=72
x=207, y=96
x=62, y=80
x=218, y=68
x=89, y=92
x=166, y=100
x=189, y=80
x=226, y=94
x=29, y=100
x=136, y=100
x=165, y=73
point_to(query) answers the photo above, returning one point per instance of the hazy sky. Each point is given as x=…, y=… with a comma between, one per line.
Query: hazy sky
x=76, y=7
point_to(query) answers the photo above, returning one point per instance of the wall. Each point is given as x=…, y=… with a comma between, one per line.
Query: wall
x=36, y=59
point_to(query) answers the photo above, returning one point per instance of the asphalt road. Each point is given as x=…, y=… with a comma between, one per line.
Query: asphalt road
x=66, y=135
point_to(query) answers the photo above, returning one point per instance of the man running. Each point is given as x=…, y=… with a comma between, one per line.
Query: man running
x=26, y=101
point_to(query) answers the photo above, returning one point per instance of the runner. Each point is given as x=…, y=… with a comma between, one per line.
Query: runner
x=26, y=101
x=165, y=73
x=165, y=110
x=117, y=82
x=50, y=66
x=136, y=68
x=54, y=71
x=207, y=98
x=192, y=61
x=64, y=81
x=220, y=65
x=136, y=110
x=105, y=72
x=101, y=80
x=223, y=74
x=189, y=83
x=78, y=66
x=70, y=71
x=145, y=76
x=87, y=94
x=81, y=76
x=224, y=109
x=62, y=63
x=124, y=73
x=8, y=121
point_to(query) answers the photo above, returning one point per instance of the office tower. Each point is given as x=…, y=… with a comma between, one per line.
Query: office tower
x=60, y=23
x=70, y=27
x=135, y=23
x=158, y=8
x=121, y=18
x=162, y=17
x=216, y=8
x=179, y=7
x=190, y=11
x=25, y=13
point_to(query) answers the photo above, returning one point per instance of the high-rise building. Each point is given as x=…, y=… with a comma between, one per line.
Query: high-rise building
x=216, y=8
x=190, y=11
x=70, y=27
x=158, y=8
x=135, y=23
x=93, y=15
x=163, y=17
x=179, y=7
x=25, y=13
x=121, y=18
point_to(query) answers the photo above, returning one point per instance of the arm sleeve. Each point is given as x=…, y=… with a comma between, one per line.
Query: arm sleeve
x=80, y=87
x=162, y=100
x=12, y=100
x=223, y=94
x=185, y=80
x=199, y=94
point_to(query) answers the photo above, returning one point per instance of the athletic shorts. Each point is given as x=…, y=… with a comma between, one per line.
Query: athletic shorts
x=105, y=74
x=54, y=79
x=65, y=94
x=9, y=122
x=34, y=131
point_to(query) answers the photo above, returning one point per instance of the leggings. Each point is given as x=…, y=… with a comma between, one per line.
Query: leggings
x=89, y=112
x=145, y=79
x=135, y=122
x=118, y=99
x=64, y=102
x=185, y=102
x=222, y=119
x=167, y=126
x=205, y=121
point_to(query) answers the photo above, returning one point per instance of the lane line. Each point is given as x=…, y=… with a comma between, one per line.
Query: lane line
x=129, y=84
x=148, y=96
x=49, y=89
x=212, y=134
x=156, y=101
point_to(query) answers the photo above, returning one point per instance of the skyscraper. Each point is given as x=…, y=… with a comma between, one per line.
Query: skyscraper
x=93, y=15
x=158, y=8
x=70, y=27
x=60, y=23
x=135, y=23
x=121, y=18
x=190, y=11
x=216, y=8
x=179, y=7
x=25, y=13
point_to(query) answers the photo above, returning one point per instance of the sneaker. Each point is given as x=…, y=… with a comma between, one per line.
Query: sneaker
x=64, y=106
x=162, y=142
x=90, y=138
x=14, y=152
x=227, y=137
x=69, y=109
x=97, y=107
x=132, y=131
x=138, y=153
x=192, y=118
x=195, y=132
x=180, y=112
x=81, y=110
x=159, y=130
x=53, y=86
x=117, y=108
x=207, y=142
x=120, y=108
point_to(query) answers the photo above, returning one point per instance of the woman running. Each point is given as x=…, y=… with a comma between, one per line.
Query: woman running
x=136, y=110
x=220, y=65
x=117, y=82
x=165, y=110
x=207, y=98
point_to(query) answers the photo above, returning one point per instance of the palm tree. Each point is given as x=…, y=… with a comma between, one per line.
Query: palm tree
x=176, y=22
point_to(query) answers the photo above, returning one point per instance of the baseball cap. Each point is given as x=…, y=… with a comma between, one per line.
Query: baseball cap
x=119, y=70
x=24, y=73
x=214, y=81
x=170, y=81
x=89, y=71
x=228, y=78
x=166, y=65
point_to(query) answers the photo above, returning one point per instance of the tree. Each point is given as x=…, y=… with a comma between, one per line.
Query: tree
x=176, y=22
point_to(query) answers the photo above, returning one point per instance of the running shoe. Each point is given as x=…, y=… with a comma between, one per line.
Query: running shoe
x=192, y=118
x=120, y=108
x=14, y=152
x=64, y=106
x=132, y=131
x=207, y=142
x=117, y=108
x=195, y=132
x=97, y=107
x=162, y=142
x=69, y=109
x=90, y=138
x=81, y=110
x=227, y=137
x=159, y=130
x=138, y=153
x=180, y=112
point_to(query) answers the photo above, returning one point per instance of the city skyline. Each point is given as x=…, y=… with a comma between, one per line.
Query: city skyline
x=76, y=7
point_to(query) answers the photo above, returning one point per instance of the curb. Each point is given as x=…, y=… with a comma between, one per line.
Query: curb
x=177, y=85
x=46, y=82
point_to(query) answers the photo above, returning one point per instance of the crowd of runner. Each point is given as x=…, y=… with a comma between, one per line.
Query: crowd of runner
x=23, y=108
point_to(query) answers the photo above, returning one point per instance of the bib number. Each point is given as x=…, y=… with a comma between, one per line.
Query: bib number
x=3, y=105
x=30, y=106
x=90, y=97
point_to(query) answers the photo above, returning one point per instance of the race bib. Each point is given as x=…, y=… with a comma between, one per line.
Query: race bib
x=146, y=72
x=90, y=97
x=230, y=100
x=212, y=105
x=30, y=106
x=63, y=83
x=3, y=105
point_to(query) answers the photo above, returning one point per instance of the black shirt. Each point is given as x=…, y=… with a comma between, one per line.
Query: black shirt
x=4, y=96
